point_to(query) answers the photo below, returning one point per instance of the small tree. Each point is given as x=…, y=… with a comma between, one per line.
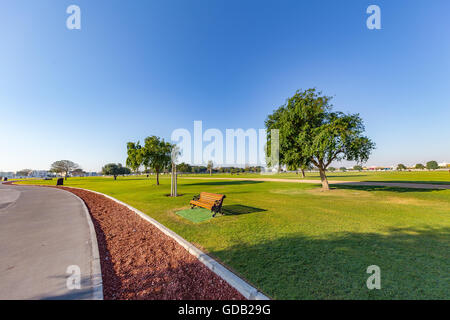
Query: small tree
x=302, y=168
x=184, y=167
x=78, y=172
x=112, y=169
x=63, y=167
x=157, y=155
x=23, y=172
x=432, y=165
x=210, y=167
x=401, y=167
x=343, y=169
x=332, y=169
x=357, y=168
x=420, y=166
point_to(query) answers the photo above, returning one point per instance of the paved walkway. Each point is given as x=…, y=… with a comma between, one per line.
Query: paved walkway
x=331, y=182
x=43, y=231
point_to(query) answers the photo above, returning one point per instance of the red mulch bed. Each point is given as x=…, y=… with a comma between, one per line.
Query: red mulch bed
x=138, y=261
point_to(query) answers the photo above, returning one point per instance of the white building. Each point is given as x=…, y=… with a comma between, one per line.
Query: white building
x=39, y=174
x=92, y=174
x=7, y=174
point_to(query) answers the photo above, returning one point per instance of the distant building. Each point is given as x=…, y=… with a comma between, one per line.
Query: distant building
x=39, y=174
x=7, y=174
x=92, y=174
x=379, y=168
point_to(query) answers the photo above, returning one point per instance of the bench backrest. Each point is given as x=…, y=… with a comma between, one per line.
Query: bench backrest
x=211, y=197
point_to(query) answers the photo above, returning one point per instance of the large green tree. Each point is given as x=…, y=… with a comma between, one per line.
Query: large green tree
x=64, y=167
x=134, y=156
x=310, y=132
x=157, y=155
x=432, y=165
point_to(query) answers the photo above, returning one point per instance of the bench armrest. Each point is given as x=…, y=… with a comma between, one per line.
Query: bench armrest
x=196, y=198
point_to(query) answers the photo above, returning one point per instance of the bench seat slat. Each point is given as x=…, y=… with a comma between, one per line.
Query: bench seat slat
x=202, y=204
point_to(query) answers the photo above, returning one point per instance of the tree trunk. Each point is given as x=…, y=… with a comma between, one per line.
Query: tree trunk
x=172, y=182
x=157, y=178
x=115, y=177
x=323, y=178
x=210, y=172
x=303, y=173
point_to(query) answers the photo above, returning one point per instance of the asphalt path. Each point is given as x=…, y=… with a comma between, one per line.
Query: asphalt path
x=47, y=246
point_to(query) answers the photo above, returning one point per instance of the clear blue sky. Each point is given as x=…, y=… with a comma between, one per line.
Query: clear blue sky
x=139, y=68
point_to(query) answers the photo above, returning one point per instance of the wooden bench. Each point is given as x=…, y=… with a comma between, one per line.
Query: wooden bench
x=210, y=201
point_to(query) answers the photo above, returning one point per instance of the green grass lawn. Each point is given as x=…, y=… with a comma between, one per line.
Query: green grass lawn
x=432, y=177
x=295, y=242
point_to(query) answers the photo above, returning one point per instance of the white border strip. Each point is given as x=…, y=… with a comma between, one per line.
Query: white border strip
x=248, y=291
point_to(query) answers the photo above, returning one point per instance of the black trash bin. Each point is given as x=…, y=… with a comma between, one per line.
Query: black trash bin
x=60, y=182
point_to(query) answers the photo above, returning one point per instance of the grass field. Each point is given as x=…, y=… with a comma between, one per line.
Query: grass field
x=432, y=177
x=294, y=242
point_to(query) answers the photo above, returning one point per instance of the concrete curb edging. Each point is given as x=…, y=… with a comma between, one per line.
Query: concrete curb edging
x=247, y=290
x=96, y=270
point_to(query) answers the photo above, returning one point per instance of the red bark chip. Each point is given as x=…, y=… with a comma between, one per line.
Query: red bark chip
x=138, y=261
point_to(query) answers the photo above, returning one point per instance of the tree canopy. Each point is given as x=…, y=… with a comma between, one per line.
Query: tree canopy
x=310, y=132
x=135, y=156
x=112, y=169
x=24, y=172
x=401, y=167
x=63, y=167
x=432, y=165
x=184, y=167
x=157, y=155
x=420, y=166
x=78, y=172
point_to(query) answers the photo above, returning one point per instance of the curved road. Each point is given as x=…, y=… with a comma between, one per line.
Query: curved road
x=44, y=231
